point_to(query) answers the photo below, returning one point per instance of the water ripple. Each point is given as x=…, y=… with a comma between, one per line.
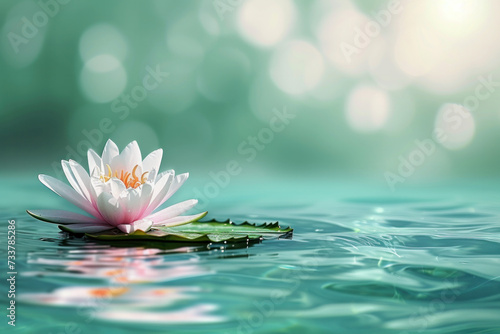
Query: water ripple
x=366, y=264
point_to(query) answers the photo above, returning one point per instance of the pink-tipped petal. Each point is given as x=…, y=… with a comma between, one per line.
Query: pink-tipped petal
x=180, y=220
x=130, y=201
x=110, y=209
x=63, y=217
x=135, y=201
x=142, y=225
x=173, y=211
x=68, y=193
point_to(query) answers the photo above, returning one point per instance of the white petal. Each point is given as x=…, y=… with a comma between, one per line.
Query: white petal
x=180, y=220
x=160, y=190
x=173, y=211
x=151, y=175
x=82, y=177
x=160, y=176
x=110, y=209
x=152, y=161
x=94, y=160
x=110, y=151
x=130, y=201
x=135, y=201
x=68, y=193
x=98, y=187
x=128, y=159
x=85, y=228
x=143, y=225
x=71, y=178
x=63, y=217
x=117, y=187
x=96, y=172
x=146, y=195
x=176, y=184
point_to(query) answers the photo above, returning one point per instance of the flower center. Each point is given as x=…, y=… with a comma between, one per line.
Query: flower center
x=130, y=180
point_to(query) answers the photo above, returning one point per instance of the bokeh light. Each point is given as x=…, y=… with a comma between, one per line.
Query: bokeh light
x=22, y=40
x=343, y=39
x=103, y=78
x=264, y=22
x=368, y=108
x=454, y=126
x=459, y=16
x=102, y=38
x=444, y=42
x=351, y=71
x=296, y=67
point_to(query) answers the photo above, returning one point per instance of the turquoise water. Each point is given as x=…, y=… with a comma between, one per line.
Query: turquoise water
x=420, y=262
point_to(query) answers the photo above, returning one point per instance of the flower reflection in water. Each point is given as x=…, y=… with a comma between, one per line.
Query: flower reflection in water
x=120, y=266
x=123, y=284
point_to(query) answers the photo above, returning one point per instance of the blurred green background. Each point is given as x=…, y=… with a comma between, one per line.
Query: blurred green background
x=363, y=81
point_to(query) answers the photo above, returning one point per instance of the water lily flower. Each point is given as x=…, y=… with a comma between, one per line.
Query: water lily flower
x=122, y=191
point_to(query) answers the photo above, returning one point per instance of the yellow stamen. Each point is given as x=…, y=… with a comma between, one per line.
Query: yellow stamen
x=125, y=179
x=133, y=171
x=130, y=180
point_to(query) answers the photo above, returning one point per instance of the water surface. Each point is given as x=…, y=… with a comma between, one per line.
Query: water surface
x=424, y=263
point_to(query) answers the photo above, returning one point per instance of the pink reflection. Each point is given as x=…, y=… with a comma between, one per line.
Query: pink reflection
x=132, y=293
x=122, y=266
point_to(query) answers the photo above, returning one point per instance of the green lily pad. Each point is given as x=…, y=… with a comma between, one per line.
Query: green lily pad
x=200, y=232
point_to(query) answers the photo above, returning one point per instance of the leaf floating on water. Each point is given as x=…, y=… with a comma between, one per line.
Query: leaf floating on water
x=200, y=232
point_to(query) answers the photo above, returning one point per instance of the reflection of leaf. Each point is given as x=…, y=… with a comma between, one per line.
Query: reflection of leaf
x=200, y=232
